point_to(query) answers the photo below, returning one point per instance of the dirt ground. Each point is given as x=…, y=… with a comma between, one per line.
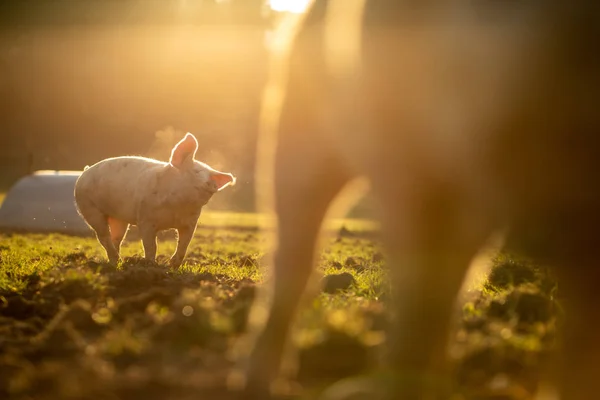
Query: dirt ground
x=81, y=329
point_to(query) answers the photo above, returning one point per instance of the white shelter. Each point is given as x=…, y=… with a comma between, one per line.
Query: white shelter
x=43, y=202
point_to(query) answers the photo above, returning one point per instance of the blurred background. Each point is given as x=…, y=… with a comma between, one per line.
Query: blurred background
x=83, y=80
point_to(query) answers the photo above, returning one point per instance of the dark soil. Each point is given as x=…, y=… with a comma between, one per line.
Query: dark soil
x=90, y=331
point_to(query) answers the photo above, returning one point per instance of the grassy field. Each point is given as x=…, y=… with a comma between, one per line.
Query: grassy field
x=73, y=327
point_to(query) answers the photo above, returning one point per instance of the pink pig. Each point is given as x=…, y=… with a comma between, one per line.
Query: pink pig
x=154, y=195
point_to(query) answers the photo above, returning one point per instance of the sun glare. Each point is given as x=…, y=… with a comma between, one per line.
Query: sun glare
x=293, y=6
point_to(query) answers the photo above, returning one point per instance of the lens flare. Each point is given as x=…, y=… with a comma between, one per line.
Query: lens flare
x=293, y=6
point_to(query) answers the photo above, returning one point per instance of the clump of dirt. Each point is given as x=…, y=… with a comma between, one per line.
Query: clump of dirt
x=337, y=356
x=511, y=271
x=335, y=282
x=337, y=265
x=508, y=331
x=75, y=257
x=524, y=305
x=533, y=307
x=241, y=304
x=378, y=257
x=357, y=264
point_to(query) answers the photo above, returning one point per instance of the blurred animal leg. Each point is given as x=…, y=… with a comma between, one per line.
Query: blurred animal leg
x=580, y=357
x=302, y=196
x=308, y=176
x=431, y=238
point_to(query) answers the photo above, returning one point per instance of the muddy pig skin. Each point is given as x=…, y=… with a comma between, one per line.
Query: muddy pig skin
x=117, y=192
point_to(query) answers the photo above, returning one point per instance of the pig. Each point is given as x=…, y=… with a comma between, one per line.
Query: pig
x=121, y=191
x=467, y=118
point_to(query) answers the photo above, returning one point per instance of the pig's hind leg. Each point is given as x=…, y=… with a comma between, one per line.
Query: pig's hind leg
x=118, y=229
x=99, y=222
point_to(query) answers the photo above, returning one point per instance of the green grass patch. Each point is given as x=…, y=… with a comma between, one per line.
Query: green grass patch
x=139, y=329
x=264, y=221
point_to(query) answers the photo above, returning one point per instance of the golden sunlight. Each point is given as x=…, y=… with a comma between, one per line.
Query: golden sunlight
x=293, y=6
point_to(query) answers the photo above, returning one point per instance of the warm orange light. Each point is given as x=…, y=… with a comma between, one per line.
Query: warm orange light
x=293, y=6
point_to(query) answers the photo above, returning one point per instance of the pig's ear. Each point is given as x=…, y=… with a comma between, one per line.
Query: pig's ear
x=182, y=155
x=222, y=179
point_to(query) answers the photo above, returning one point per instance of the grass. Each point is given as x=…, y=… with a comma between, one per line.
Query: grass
x=141, y=330
x=262, y=221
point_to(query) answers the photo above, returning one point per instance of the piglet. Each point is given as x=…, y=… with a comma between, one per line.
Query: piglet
x=117, y=192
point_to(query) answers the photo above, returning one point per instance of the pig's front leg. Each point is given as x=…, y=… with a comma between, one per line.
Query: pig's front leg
x=185, y=235
x=148, y=233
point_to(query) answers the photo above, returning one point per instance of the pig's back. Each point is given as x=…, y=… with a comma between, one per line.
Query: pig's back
x=115, y=185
